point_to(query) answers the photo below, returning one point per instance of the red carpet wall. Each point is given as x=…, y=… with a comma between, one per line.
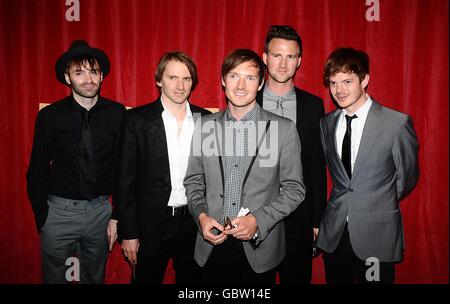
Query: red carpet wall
x=407, y=41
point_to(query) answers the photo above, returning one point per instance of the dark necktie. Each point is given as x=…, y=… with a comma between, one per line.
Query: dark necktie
x=280, y=105
x=347, y=146
x=88, y=179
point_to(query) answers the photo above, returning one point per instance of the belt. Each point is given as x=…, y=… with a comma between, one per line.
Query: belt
x=69, y=201
x=176, y=211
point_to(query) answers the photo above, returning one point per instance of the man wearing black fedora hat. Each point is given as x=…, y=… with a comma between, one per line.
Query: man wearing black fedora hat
x=70, y=176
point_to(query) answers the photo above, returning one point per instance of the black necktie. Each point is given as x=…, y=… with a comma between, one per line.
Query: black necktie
x=347, y=146
x=88, y=179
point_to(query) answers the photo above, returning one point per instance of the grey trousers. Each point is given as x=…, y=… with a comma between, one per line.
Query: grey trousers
x=74, y=240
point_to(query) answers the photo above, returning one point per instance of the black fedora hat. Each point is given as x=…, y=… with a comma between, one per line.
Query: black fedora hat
x=80, y=48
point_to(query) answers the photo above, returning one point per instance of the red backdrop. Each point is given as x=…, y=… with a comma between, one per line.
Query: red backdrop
x=408, y=48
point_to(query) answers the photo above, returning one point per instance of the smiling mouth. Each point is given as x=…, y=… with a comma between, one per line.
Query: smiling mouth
x=240, y=94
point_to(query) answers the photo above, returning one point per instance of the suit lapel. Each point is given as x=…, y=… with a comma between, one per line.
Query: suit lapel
x=219, y=124
x=301, y=114
x=157, y=135
x=261, y=116
x=333, y=143
x=369, y=135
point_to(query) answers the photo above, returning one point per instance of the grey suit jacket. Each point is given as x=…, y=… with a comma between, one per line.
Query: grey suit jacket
x=385, y=171
x=274, y=167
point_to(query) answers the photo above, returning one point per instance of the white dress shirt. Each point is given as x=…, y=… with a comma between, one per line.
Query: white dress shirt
x=178, y=147
x=357, y=129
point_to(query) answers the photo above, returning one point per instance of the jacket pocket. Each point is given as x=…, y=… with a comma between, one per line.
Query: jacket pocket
x=383, y=217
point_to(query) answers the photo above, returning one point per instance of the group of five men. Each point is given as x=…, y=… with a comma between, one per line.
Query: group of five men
x=231, y=197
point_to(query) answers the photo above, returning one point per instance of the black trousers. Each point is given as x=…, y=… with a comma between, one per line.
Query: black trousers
x=177, y=242
x=343, y=266
x=228, y=264
x=296, y=267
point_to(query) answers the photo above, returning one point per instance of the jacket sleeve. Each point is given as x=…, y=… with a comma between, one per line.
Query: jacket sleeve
x=194, y=180
x=124, y=196
x=39, y=168
x=317, y=174
x=291, y=180
x=405, y=150
x=114, y=214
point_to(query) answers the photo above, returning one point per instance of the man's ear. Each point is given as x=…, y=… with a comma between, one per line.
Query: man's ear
x=264, y=58
x=159, y=84
x=66, y=76
x=223, y=82
x=261, y=85
x=365, y=81
x=299, y=61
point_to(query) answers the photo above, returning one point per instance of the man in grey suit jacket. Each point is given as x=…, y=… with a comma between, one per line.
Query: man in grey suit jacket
x=243, y=178
x=371, y=153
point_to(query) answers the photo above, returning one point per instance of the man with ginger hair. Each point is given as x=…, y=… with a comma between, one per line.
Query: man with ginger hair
x=371, y=153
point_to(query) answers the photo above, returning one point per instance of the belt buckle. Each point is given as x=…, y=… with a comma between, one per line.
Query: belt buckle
x=173, y=210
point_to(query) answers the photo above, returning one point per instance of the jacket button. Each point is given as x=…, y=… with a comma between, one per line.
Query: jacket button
x=350, y=190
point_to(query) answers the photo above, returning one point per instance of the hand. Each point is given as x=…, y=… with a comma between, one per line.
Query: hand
x=207, y=224
x=130, y=249
x=112, y=233
x=315, y=233
x=244, y=227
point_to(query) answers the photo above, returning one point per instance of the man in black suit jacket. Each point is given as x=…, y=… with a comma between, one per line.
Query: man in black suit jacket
x=154, y=223
x=283, y=56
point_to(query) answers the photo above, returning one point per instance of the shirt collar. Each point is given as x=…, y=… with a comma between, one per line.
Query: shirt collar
x=168, y=114
x=250, y=116
x=78, y=107
x=362, y=112
x=288, y=95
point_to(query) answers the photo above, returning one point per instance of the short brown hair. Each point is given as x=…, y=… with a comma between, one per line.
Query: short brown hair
x=285, y=32
x=240, y=56
x=180, y=57
x=346, y=60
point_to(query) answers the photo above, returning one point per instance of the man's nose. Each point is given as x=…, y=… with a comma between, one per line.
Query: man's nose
x=339, y=87
x=180, y=84
x=88, y=77
x=241, y=83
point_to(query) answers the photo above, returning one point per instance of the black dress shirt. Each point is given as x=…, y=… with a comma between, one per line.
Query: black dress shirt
x=54, y=163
